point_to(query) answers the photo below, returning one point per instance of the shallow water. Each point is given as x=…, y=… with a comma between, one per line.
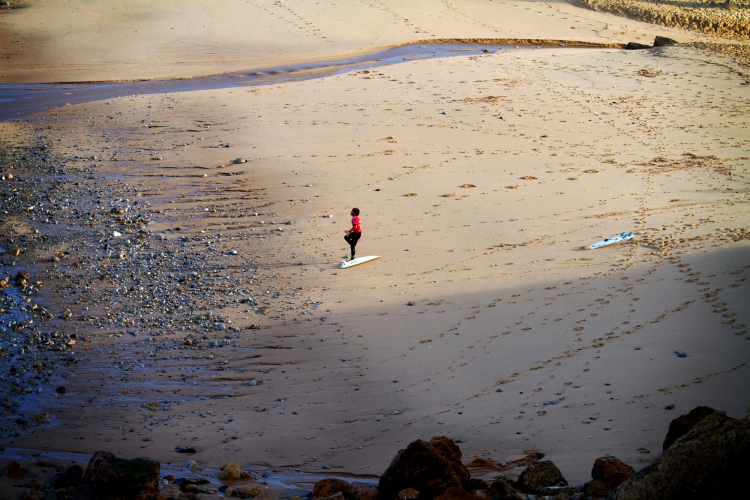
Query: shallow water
x=14, y=317
x=21, y=100
x=276, y=479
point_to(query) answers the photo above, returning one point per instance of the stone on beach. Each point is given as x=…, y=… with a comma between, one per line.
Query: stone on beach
x=428, y=467
x=16, y=470
x=233, y=472
x=328, y=487
x=71, y=477
x=540, y=475
x=607, y=473
x=249, y=490
x=117, y=478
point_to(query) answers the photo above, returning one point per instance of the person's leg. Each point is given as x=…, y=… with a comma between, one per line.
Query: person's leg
x=349, y=239
x=353, y=239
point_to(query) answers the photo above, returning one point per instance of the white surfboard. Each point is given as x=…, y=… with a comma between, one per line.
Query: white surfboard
x=358, y=260
x=609, y=241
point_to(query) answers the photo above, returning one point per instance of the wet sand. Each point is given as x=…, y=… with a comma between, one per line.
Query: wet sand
x=219, y=319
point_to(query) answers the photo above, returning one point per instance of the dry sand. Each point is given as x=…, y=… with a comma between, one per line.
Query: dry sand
x=479, y=179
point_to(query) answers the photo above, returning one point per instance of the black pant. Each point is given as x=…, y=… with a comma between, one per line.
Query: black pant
x=352, y=239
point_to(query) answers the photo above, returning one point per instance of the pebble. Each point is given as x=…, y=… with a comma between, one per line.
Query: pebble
x=179, y=271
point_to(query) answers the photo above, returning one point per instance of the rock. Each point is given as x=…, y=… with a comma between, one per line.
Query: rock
x=662, y=41
x=335, y=496
x=118, y=478
x=249, y=490
x=476, y=483
x=561, y=492
x=486, y=463
x=22, y=278
x=682, y=424
x=636, y=46
x=295, y=494
x=329, y=487
x=607, y=473
x=71, y=476
x=232, y=472
x=169, y=491
x=16, y=470
x=447, y=446
x=430, y=468
x=540, y=475
x=184, y=482
x=709, y=461
x=363, y=491
x=597, y=489
x=407, y=494
x=41, y=418
x=501, y=490
x=611, y=470
x=456, y=493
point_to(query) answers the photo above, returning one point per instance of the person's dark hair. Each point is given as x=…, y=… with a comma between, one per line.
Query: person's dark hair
x=356, y=211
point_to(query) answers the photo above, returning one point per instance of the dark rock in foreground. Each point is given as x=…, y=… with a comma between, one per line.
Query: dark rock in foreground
x=429, y=468
x=540, y=475
x=329, y=487
x=710, y=461
x=608, y=472
x=114, y=478
x=500, y=489
x=682, y=424
x=70, y=477
x=707, y=459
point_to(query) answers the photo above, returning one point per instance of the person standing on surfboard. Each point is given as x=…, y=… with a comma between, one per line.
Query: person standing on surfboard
x=353, y=234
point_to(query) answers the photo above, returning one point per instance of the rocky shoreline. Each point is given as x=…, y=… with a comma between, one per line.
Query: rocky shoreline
x=32, y=348
x=85, y=273
x=705, y=455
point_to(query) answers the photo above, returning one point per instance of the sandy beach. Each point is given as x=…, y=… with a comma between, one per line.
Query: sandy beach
x=192, y=247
